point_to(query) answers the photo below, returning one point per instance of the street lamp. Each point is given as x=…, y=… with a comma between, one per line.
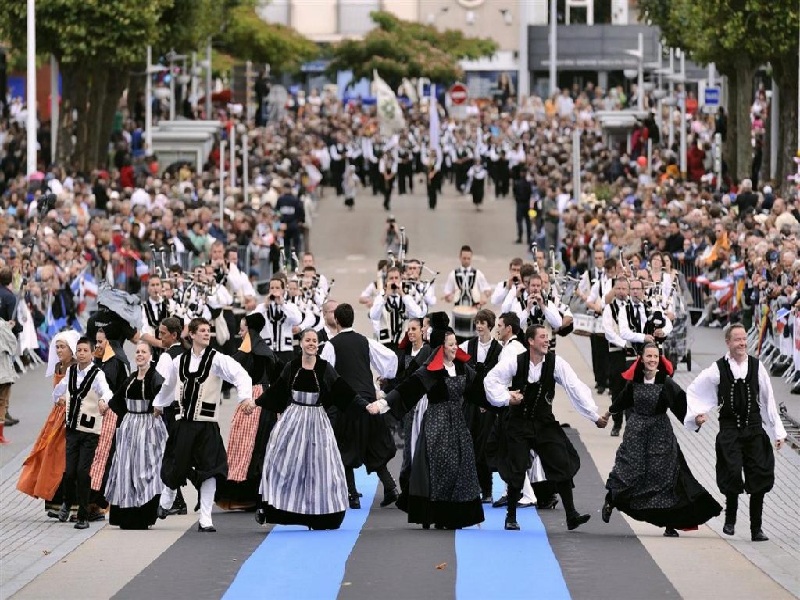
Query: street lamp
x=639, y=55
x=31, y=89
x=681, y=78
x=148, y=96
x=172, y=57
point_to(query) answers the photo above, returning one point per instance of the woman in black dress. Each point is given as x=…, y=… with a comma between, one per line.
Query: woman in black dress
x=650, y=480
x=443, y=482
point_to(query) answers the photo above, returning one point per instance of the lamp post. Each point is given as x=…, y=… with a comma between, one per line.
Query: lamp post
x=681, y=78
x=208, y=80
x=172, y=58
x=524, y=77
x=54, y=112
x=31, y=89
x=221, y=184
x=245, y=168
x=553, y=46
x=638, y=54
x=148, y=98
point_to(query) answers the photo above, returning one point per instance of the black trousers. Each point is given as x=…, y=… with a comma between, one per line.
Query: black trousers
x=523, y=220
x=77, y=481
x=433, y=190
x=405, y=178
x=600, y=364
x=618, y=362
x=748, y=451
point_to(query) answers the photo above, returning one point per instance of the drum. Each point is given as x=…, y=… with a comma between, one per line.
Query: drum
x=464, y=321
x=586, y=325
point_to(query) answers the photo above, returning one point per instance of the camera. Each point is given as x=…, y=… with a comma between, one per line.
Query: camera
x=272, y=297
x=395, y=287
x=515, y=279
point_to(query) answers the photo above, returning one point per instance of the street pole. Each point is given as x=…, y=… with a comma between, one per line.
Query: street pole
x=245, y=170
x=774, y=115
x=31, y=89
x=649, y=157
x=672, y=97
x=553, y=46
x=54, y=112
x=576, y=164
x=208, y=81
x=171, y=89
x=524, y=77
x=193, y=88
x=221, y=184
x=232, y=176
x=640, y=76
x=683, y=114
x=148, y=102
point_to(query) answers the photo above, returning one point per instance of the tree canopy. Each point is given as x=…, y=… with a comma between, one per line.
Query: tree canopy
x=397, y=48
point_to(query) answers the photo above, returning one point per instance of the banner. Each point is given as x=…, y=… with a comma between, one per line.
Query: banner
x=390, y=115
x=433, y=117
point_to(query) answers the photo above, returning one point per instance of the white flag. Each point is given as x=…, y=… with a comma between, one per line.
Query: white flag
x=390, y=115
x=433, y=117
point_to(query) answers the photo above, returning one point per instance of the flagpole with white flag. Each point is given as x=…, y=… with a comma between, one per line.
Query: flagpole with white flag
x=390, y=114
x=433, y=117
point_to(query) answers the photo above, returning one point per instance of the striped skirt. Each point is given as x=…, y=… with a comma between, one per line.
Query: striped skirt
x=134, y=478
x=303, y=471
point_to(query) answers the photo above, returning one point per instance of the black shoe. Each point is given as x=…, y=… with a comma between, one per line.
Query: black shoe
x=426, y=525
x=525, y=504
x=10, y=421
x=517, y=241
x=63, y=513
x=576, y=520
x=354, y=501
x=389, y=497
x=670, y=532
x=52, y=514
x=486, y=498
x=261, y=516
x=500, y=502
x=758, y=536
x=161, y=512
x=605, y=512
x=96, y=516
x=548, y=504
x=178, y=509
x=82, y=524
x=512, y=525
x=615, y=431
x=209, y=529
x=729, y=529
x=601, y=389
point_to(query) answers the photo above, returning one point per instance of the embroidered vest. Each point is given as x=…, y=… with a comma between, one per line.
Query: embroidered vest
x=738, y=398
x=198, y=393
x=538, y=396
x=83, y=410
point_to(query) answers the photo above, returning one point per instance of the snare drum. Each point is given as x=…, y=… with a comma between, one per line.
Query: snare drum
x=464, y=321
x=586, y=325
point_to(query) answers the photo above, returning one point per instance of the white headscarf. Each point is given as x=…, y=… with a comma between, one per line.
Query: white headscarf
x=71, y=338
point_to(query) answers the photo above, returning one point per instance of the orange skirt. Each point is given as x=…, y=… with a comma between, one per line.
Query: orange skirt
x=44, y=468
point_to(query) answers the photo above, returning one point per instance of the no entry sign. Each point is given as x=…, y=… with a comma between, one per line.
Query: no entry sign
x=459, y=94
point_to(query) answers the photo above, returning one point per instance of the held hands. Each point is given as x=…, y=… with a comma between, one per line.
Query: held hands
x=602, y=421
x=62, y=401
x=156, y=412
x=779, y=444
x=102, y=406
x=374, y=408
x=248, y=406
x=514, y=398
x=700, y=419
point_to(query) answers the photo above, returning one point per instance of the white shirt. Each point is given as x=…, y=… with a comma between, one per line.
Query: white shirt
x=222, y=366
x=701, y=396
x=611, y=328
x=481, y=284
x=413, y=310
x=499, y=378
x=634, y=337
x=99, y=384
x=483, y=349
x=512, y=347
x=382, y=360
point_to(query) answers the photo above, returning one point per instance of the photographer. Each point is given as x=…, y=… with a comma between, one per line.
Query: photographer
x=501, y=289
x=394, y=242
x=281, y=317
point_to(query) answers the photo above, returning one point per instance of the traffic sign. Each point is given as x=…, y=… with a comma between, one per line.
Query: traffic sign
x=711, y=97
x=459, y=94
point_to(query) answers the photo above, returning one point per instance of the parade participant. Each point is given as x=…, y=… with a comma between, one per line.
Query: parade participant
x=392, y=308
x=598, y=280
x=134, y=479
x=423, y=292
x=170, y=330
x=8, y=342
x=432, y=159
x=350, y=185
x=280, y=317
x=43, y=469
x=501, y=289
x=650, y=480
x=443, y=488
x=620, y=354
x=154, y=310
x=739, y=386
x=293, y=218
x=388, y=169
x=250, y=430
x=302, y=446
x=466, y=285
x=484, y=352
x=375, y=287
x=531, y=425
x=364, y=440
x=320, y=281
x=476, y=182
x=194, y=448
x=85, y=394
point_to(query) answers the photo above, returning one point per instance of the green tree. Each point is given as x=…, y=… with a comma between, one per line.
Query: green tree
x=739, y=36
x=397, y=48
x=248, y=37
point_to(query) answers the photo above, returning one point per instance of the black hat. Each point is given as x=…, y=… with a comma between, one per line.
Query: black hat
x=255, y=321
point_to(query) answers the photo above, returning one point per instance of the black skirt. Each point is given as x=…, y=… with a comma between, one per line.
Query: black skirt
x=140, y=517
x=194, y=452
x=282, y=517
x=363, y=439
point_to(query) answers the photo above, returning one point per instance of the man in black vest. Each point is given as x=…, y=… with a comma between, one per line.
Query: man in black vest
x=169, y=335
x=484, y=353
x=531, y=425
x=619, y=353
x=363, y=440
x=739, y=386
x=154, y=310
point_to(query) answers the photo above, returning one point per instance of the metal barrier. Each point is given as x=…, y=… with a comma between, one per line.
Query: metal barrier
x=691, y=271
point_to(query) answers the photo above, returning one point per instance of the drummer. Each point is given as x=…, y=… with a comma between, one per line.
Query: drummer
x=466, y=285
x=602, y=293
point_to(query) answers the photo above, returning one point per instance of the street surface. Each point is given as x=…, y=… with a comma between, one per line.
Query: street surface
x=376, y=554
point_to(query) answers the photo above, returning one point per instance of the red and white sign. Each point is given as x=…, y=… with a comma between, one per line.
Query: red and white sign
x=459, y=94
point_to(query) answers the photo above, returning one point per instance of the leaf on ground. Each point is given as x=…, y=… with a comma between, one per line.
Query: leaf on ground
x=442, y=566
x=46, y=552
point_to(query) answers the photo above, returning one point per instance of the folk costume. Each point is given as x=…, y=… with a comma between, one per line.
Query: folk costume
x=134, y=483
x=303, y=481
x=650, y=480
